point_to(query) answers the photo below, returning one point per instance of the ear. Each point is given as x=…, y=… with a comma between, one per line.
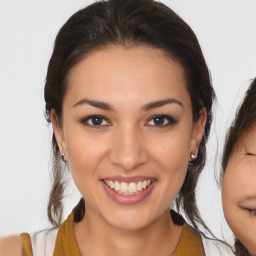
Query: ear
x=58, y=133
x=197, y=133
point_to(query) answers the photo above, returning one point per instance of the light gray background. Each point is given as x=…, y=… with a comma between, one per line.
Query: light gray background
x=227, y=33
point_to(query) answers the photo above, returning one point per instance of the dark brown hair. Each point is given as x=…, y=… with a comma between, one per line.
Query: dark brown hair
x=245, y=119
x=129, y=23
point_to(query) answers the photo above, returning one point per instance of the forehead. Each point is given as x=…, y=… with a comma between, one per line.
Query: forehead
x=247, y=139
x=246, y=143
x=129, y=72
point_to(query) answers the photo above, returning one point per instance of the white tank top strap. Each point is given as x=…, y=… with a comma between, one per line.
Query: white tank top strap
x=43, y=242
x=216, y=248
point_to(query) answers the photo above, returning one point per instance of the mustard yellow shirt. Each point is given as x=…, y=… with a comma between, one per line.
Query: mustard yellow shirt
x=190, y=243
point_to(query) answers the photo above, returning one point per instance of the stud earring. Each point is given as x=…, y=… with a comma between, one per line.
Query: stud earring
x=193, y=154
x=63, y=158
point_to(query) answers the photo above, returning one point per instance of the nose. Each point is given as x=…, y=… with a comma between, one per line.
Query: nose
x=128, y=149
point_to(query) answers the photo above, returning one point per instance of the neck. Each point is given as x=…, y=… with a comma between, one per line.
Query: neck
x=96, y=237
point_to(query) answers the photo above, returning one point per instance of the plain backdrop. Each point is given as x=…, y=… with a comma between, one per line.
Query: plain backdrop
x=227, y=33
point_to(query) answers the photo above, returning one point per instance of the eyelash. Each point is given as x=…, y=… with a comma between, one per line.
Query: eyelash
x=85, y=121
x=168, y=121
x=250, y=154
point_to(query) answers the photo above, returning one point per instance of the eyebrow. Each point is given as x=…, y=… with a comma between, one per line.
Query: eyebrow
x=160, y=103
x=146, y=107
x=249, y=198
x=95, y=103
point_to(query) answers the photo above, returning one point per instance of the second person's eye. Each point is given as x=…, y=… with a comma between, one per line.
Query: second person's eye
x=250, y=154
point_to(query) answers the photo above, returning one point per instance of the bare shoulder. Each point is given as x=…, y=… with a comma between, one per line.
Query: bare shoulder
x=10, y=245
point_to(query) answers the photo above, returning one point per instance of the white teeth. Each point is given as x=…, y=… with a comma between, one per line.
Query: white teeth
x=111, y=184
x=144, y=184
x=132, y=187
x=125, y=188
x=139, y=186
x=117, y=186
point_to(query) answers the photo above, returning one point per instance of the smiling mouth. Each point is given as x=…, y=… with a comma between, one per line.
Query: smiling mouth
x=125, y=188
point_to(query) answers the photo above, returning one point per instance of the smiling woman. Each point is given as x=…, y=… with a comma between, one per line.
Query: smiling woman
x=129, y=97
x=239, y=171
x=134, y=155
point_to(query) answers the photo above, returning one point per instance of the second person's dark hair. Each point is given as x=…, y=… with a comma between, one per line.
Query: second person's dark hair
x=244, y=120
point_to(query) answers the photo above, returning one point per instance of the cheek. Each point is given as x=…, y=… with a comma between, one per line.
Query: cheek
x=171, y=155
x=236, y=186
x=238, y=183
x=85, y=152
x=230, y=194
x=171, y=161
x=172, y=147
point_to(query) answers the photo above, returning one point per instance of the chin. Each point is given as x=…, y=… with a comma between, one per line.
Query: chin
x=248, y=244
x=129, y=227
x=252, y=250
x=128, y=222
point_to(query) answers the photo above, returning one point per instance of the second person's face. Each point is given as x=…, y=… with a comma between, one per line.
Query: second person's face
x=127, y=132
x=239, y=191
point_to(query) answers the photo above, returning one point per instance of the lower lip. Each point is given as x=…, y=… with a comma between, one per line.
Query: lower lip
x=128, y=199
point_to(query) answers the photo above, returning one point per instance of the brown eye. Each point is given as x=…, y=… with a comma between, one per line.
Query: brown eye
x=161, y=121
x=95, y=121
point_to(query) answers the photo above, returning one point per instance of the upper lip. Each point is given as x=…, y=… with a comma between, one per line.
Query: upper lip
x=128, y=179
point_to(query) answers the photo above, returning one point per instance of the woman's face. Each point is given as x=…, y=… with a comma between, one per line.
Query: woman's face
x=239, y=191
x=127, y=133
